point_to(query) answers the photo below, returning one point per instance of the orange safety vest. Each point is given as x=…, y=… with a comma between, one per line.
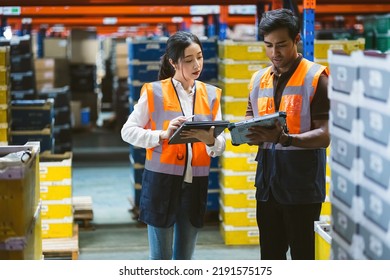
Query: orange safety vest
x=164, y=105
x=296, y=97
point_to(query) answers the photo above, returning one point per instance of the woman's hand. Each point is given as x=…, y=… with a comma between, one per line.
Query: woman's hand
x=203, y=135
x=173, y=125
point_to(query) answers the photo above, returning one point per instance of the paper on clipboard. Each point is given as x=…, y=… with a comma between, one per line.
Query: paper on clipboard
x=219, y=127
x=239, y=130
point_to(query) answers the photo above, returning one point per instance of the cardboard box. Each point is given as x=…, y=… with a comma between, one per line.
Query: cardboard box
x=83, y=51
x=55, y=48
x=55, y=167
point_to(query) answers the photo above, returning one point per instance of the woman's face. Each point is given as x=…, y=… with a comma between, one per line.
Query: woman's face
x=189, y=67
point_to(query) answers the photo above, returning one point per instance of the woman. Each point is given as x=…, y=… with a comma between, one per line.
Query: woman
x=175, y=179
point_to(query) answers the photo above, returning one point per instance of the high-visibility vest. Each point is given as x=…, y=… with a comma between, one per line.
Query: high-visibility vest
x=296, y=97
x=164, y=105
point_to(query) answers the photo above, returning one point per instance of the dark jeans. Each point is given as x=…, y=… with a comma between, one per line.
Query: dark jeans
x=283, y=226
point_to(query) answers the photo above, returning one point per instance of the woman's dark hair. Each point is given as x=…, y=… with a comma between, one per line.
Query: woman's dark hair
x=176, y=45
x=277, y=19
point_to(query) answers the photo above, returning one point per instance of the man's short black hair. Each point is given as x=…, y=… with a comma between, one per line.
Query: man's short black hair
x=277, y=19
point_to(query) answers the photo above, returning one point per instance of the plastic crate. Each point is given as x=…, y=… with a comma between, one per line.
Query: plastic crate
x=242, y=50
x=231, y=69
x=322, y=240
x=321, y=47
x=27, y=247
x=238, y=88
x=239, y=235
x=4, y=56
x=4, y=95
x=19, y=189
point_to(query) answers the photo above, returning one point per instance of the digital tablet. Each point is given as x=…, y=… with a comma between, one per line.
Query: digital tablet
x=239, y=130
x=219, y=127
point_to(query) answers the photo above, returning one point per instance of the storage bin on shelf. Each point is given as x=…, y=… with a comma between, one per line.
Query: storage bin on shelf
x=323, y=239
x=19, y=189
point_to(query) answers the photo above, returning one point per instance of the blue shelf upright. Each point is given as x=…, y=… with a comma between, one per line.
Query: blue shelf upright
x=308, y=29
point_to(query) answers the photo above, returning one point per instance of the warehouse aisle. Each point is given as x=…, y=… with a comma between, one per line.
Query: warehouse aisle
x=101, y=169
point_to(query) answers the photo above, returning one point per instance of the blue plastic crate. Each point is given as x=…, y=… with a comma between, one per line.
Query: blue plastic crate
x=135, y=89
x=44, y=137
x=32, y=114
x=209, y=72
x=213, y=201
x=214, y=179
x=137, y=155
x=138, y=174
x=214, y=162
x=210, y=49
x=146, y=71
x=145, y=50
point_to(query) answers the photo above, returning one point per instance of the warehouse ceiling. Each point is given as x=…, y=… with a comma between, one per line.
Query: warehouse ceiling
x=109, y=14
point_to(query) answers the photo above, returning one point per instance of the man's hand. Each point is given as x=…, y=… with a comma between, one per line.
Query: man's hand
x=259, y=134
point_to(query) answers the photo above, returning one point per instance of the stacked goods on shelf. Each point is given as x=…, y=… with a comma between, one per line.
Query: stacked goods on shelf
x=321, y=48
x=360, y=155
x=22, y=75
x=107, y=79
x=213, y=193
x=323, y=240
x=210, y=61
x=32, y=120
x=5, y=96
x=237, y=63
x=326, y=210
x=62, y=127
x=20, y=207
x=119, y=65
x=143, y=58
x=51, y=73
x=55, y=171
x=377, y=32
x=82, y=49
x=56, y=48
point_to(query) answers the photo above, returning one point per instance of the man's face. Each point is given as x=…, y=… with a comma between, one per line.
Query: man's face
x=280, y=49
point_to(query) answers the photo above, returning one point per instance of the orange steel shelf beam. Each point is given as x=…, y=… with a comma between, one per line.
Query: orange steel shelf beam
x=93, y=21
x=105, y=11
x=350, y=9
x=126, y=2
x=99, y=21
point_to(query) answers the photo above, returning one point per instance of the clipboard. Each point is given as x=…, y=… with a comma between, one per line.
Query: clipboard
x=239, y=130
x=219, y=127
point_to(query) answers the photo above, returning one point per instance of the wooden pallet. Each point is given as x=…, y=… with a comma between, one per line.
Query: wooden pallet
x=62, y=248
x=83, y=213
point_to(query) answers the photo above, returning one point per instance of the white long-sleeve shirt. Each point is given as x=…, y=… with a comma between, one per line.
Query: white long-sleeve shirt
x=134, y=132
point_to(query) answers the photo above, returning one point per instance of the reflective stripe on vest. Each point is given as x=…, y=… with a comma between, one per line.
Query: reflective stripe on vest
x=164, y=105
x=296, y=97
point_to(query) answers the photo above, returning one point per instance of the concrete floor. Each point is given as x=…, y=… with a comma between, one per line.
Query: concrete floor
x=101, y=169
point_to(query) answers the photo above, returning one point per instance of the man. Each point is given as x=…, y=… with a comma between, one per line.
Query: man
x=290, y=177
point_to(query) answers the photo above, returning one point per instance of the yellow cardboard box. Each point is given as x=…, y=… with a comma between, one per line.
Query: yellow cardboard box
x=238, y=161
x=238, y=198
x=323, y=240
x=237, y=217
x=57, y=209
x=54, y=190
x=238, y=180
x=55, y=167
x=57, y=228
x=239, y=235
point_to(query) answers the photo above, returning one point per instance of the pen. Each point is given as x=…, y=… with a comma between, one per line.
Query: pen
x=190, y=117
